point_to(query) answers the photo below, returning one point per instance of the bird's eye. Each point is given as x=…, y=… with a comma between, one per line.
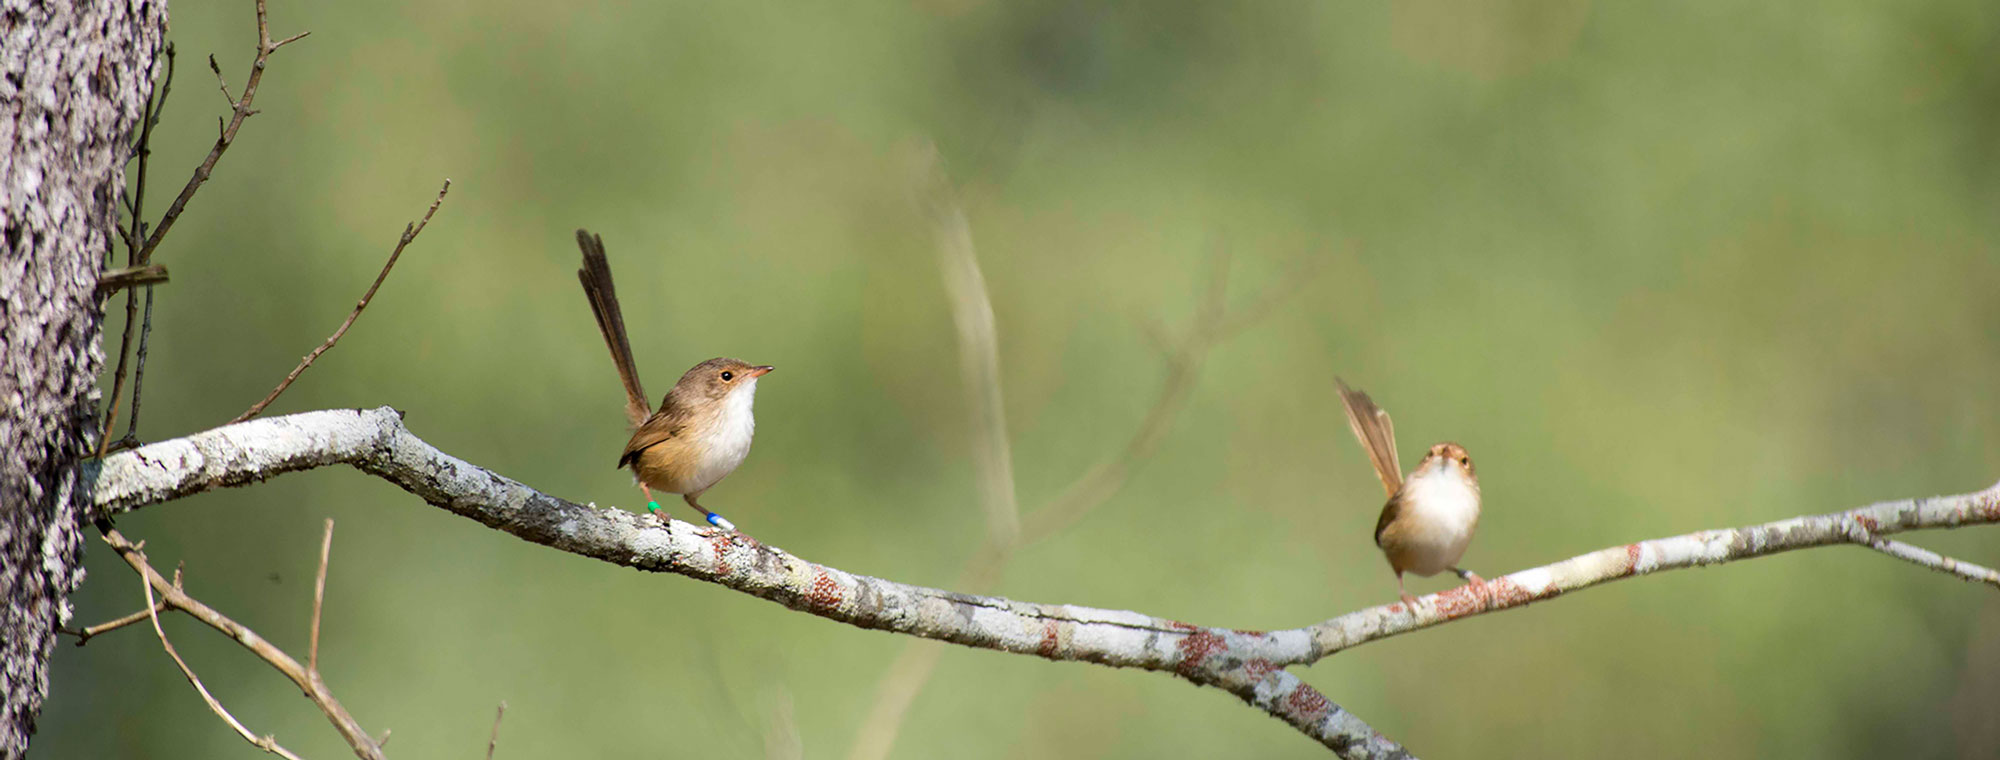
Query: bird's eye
x=728, y=376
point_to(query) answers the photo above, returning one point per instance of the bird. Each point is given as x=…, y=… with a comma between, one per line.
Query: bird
x=702, y=429
x=1430, y=516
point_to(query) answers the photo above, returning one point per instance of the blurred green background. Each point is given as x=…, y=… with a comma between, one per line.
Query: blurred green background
x=1659, y=268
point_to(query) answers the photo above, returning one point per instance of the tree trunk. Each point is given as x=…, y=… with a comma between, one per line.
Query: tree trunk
x=74, y=79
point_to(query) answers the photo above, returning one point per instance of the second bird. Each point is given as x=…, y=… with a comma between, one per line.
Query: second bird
x=702, y=430
x=1430, y=517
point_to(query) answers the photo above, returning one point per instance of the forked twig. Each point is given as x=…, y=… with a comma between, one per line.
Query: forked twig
x=1861, y=534
x=172, y=596
x=85, y=635
x=266, y=742
x=239, y=110
x=410, y=233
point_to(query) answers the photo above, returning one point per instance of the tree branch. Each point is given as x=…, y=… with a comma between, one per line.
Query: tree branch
x=1248, y=664
x=410, y=233
x=307, y=679
x=239, y=110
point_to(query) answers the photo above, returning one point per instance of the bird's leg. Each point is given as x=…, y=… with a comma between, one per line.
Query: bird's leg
x=652, y=505
x=712, y=518
x=1407, y=599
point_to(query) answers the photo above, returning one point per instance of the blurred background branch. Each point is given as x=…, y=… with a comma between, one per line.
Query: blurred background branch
x=972, y=310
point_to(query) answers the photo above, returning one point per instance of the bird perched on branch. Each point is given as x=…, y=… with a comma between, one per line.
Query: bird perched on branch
x=1430, y=517
x=702, y=430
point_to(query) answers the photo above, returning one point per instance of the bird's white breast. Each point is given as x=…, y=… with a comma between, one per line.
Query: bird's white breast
x=726, y=441
x=1443, y=511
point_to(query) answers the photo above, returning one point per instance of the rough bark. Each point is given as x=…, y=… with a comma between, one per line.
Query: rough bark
x=74, y=79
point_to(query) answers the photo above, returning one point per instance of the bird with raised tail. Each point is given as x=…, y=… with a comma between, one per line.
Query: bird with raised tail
x=703, y=428
x=1430, y=517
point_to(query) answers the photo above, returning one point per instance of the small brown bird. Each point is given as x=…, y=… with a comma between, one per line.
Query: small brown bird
x=702, y=430
x=1430, y=518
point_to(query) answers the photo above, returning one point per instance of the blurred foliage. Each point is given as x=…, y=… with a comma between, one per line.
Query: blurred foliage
x=1659, y=267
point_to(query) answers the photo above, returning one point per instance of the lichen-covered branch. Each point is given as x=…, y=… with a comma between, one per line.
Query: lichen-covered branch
x=1248, y=664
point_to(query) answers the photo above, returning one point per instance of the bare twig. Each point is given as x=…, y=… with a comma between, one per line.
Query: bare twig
x=239, y=110
x=84, y=636
x=493, y=742
x=131, y=437
x=410, y=233
x=171, y=595
x=1865, y=536
x=266, y=742
x=319, y=597
x=134, y=233
x=118, y=377
x=144, y=148
x=114, y=280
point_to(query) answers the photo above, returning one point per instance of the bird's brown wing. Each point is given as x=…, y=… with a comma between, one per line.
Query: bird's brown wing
x=1390, y=512
x=1376, y=434
x=658, y=429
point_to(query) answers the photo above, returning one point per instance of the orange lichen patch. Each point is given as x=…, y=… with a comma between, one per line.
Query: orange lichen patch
x=1868, y=523
x=824, y=594
x=1507, y=593
x=1197, y=647
x=720, y=543
x=1306, y=702
x=1465, y=600
x=1259, y=667
x=1051, y=639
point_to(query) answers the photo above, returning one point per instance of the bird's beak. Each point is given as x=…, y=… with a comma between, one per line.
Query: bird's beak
x=761, y=371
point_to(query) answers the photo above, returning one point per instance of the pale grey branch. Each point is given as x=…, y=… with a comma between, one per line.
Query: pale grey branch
x=1248, y=664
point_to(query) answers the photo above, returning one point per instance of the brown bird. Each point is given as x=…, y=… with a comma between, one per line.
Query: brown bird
x=1430, y=517
x=702, y=430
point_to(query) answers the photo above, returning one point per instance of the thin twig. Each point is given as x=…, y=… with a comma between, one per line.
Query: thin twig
x=154, y=107
x=85, y=635
x=239, y=110
x=118, y=377
x=1924, y=557
x=410, y=233
x=113, y=280
x=173, y=596
x=135, y=233
x=131, y=437
x=493, y=741
x=319, y=597
x=266, y=742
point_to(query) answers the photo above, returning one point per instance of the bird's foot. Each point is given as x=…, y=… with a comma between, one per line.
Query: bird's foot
x=1472, y=579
